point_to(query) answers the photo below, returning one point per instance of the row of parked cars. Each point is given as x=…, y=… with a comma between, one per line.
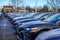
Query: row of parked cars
x=34, y=26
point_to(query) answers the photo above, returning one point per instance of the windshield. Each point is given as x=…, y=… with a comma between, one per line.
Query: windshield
x=52, y=18
x=37, y=16
x=43, y=16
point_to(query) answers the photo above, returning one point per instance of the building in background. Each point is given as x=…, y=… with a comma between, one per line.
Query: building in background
x=12, y=9
x=7, y=9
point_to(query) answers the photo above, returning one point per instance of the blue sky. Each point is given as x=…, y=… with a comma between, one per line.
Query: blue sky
x=28, y=2
x=33, y=2
x=3, y=2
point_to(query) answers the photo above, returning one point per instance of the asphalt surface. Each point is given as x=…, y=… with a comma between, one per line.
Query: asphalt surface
x=6, y=30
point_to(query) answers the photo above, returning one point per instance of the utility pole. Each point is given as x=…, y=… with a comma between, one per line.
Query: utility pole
x=16, y=5
x=56, y=10
x=36, y=6
x=24, y=6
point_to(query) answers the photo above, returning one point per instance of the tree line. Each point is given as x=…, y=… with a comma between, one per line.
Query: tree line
x=51, y=6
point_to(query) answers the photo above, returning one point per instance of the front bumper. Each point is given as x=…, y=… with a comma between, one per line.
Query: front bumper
x=27, y=36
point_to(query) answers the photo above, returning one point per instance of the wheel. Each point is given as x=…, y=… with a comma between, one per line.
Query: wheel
x=49, y=35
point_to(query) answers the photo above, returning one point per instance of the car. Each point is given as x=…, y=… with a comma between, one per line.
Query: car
x=34, y=18
x=32, y=30
x=31, y=16
x=12, y=17
x=18, y=14
x=23, y=17
x=15, y=15
x=36, y=27
x=49, y=35
x=19, y=22
x=40, y=17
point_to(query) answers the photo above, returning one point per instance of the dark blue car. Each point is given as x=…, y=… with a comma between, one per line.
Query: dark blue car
x=34, y=18
x=35, y=27
x=24, y=17
x=40, y=17
x=14, y=15
x=49, y=35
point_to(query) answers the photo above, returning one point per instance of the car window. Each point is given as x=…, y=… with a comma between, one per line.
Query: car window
x=39, y=16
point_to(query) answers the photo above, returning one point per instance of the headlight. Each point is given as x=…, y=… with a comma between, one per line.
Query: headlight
x=28, y=29
x=33, y=29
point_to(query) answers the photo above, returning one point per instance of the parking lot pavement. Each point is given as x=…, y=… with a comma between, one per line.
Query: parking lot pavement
x=6, y=30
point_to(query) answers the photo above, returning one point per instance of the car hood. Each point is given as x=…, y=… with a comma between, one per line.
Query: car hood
x=24, y=20
x=19, y=18
x=35, y=24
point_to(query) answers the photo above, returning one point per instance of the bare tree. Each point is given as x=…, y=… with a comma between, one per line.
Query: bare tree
x=53, y=4
x=44, y=9
x=16, y=3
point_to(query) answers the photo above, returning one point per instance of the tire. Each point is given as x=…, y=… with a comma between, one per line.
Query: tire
x=49, y=35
